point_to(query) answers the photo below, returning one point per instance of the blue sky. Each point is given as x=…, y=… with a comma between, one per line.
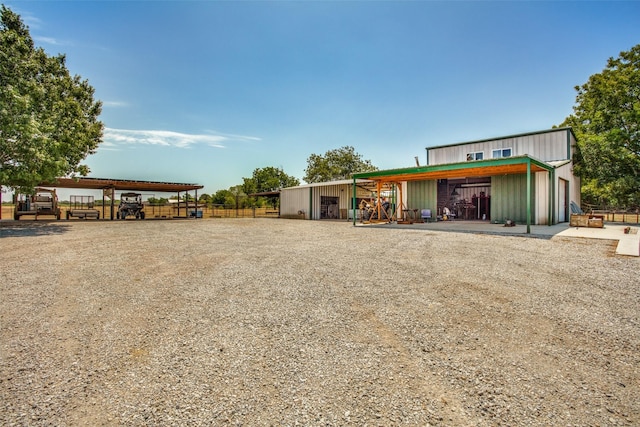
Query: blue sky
x=207, y=91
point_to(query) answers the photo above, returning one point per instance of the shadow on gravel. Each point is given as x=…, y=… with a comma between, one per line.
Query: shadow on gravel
x=512, y=234
x=537, y=232
x=31, y=229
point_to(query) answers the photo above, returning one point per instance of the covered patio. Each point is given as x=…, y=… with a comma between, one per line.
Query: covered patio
x=394, y=178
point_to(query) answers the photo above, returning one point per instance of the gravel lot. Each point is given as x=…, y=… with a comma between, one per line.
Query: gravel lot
x=280, y=322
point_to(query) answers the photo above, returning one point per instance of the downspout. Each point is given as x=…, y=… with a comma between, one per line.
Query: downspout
x=528, y=196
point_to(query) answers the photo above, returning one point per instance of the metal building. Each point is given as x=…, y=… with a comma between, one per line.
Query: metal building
x=325, y=200
x=526, y=178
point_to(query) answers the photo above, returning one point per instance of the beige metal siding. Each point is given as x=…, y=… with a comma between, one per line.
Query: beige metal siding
x=566, y=172
x=342, y=192
x=541, y=211
x=297, y=199
x=293, y=200
x=547, y=147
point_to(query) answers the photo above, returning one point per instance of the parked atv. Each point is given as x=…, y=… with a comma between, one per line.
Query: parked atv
x=130, y=205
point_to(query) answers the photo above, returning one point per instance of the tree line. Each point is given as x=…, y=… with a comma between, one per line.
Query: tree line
x=334, y=165
x=49, y=125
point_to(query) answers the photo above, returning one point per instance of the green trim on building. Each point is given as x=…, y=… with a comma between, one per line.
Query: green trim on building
x=454, y=166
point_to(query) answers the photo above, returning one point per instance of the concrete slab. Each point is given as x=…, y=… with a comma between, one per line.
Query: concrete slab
x=628, y=244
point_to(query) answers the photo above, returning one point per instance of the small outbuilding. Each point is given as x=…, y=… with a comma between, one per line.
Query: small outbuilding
x=326, y=200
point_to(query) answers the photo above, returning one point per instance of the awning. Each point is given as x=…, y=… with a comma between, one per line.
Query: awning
x=490, y=167
x=476, y=168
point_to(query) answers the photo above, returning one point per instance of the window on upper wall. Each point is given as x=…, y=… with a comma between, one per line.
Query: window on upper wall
x=501, y=152
x=476, y=155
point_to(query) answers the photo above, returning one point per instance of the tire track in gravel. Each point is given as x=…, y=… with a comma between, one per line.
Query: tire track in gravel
x=450, y=409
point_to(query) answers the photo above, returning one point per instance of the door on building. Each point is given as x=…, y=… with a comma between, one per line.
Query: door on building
x=329, y=207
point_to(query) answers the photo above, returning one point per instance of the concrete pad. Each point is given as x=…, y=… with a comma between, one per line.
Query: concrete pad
x=628, y=244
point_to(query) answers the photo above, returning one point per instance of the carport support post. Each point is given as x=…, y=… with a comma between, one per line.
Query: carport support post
x=113, y=201
x=529, y=196
x=400, y=205
x=378, y=190
x=353, y=201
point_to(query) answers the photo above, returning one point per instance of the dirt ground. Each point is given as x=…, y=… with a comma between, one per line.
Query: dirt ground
x=285, y=322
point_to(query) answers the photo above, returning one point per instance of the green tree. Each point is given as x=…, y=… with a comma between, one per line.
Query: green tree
x=204, y=198
x=223, y=197
x=336, y=165
x=267, y=179
x=48, y=119
x=238, y=196
x=161, y=201
x=606, y=121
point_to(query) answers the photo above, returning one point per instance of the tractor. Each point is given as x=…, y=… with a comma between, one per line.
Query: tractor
x=130, y=205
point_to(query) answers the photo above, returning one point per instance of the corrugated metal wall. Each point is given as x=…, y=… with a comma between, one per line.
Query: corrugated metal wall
x=293, y=200
x=550, y=146
x=296, y=199
x=541, y=208
x=566, y=172
x=509, y=198
x=422, y=195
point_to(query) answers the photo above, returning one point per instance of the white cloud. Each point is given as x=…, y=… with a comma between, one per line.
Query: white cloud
x=29, y=19
x=47, y=40
x=109, y=146
x=115, y=137
x=114, y=104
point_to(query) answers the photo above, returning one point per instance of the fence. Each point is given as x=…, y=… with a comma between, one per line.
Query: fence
x=618, y=216
x=219, y=211
x=208, y=211
x=165, y=212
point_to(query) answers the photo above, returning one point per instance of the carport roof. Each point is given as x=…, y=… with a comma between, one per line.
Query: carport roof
x=489, y=167
x=120, y=184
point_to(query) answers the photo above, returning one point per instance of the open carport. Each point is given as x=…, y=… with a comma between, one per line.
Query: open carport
x=110, y=186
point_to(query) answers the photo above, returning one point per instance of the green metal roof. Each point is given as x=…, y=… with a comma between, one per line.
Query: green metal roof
x=488, y=167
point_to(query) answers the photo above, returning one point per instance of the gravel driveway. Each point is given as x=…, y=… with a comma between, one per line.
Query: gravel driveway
x=280, y=322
